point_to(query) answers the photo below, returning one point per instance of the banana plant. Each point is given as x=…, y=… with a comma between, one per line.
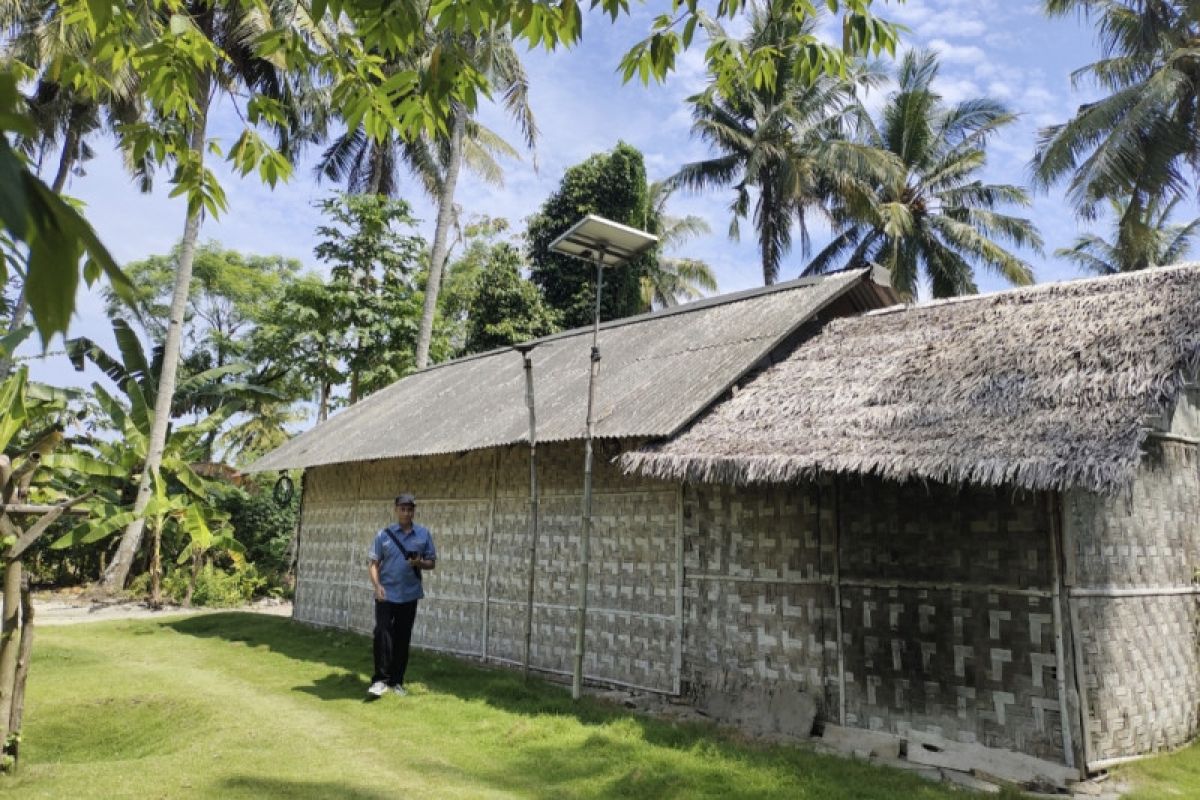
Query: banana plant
x=111, y=466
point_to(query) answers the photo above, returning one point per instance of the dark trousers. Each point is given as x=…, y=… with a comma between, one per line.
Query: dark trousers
x=393, y=631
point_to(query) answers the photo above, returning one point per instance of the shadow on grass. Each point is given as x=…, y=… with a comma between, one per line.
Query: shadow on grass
x=252, y=786
x=683, y=760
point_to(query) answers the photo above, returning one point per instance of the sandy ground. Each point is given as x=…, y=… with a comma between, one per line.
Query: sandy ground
x=57, y=609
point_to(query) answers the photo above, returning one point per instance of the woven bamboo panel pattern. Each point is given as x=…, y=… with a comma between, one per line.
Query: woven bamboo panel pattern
x=632, y=634
x=973, y=665
x=1141, y=655
x=753, y=615
x=934, y=532
x=970, y=666
x=1148, y=537
x=1141, y=672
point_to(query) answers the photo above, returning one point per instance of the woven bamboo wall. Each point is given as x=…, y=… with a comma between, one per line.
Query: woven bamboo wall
x=946, y=613
x=1131, y=573
x=758, y=609
x=945, y=606
x=476, y=506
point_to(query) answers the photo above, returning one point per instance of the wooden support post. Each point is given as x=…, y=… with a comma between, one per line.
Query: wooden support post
x=487, y=554
x=9, y=630
x=1060, y=643
x=677, y=665
x=837, y=598
x=533, y=513
x=1070, y=580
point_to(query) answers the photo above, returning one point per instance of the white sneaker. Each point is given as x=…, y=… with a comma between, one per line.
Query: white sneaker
x=377, y=689
x=398, y=689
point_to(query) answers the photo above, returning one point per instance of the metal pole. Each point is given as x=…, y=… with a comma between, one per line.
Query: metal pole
x=585, y=543
x=533, y=511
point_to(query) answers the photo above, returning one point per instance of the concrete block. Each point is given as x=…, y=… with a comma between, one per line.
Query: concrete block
x=873, y=743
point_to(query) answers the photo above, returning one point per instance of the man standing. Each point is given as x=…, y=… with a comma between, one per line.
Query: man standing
x=398, y=554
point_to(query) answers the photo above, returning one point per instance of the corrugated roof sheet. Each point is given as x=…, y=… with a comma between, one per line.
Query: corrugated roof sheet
x=657, y=372
x=1047, y=387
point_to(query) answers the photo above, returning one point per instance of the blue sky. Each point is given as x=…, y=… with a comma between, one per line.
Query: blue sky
x=1008, y=50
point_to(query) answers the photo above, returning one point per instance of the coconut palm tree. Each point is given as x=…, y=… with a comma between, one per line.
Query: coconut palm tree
x=936, y=217
x=783, y=146
x=1144, y=238
x=1142, y=140
x=671, y=280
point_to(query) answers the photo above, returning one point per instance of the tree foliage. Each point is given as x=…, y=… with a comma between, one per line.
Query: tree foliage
x=933, y=217
x=612, y=185
x=165, y=49
x=1141, y=141
x=1140, y=239
x=673, y=279
x=783, y=146
x=505, y=308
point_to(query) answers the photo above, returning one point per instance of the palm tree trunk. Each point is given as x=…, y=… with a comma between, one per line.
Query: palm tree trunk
x=437, y=258
x=118, y=570
x=66, y=160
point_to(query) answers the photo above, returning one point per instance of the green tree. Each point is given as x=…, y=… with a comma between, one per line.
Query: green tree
x=229, y=295
x=1147, y=240
x=935, y=216
x=612, y=185
x=493, y=54
x=111, y=464
x=783, y=146
x=1141, y=142
x=304, y=334
x=376, y=301
x=506, y=308
x=671, y=280
x=172, y=60
x=224, y=39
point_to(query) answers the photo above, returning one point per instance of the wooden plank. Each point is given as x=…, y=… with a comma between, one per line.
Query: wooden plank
x=936, y=751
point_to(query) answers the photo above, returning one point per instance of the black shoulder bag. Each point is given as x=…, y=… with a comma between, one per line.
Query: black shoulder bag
x=407, y=555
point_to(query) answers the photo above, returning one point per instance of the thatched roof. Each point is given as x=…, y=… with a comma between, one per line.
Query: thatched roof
x=1044, y=388
x=658, y=372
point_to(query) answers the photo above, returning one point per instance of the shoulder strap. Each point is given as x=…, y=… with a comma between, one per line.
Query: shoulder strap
x=407, y=555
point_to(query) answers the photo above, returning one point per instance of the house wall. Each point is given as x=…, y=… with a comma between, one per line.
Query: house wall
x=726, y=595
x=946, y=607
x=1132, y=564
x=476, y=506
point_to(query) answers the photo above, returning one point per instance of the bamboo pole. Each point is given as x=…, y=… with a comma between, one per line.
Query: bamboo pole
x=837, y=599
x=586, y=539
x=677, y=678
x=8, y=640
x=487, y=555
x=533, y=510
x=24, y=653
x=1060, y=663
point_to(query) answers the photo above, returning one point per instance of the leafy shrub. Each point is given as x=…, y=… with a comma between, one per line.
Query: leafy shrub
x=215, y=588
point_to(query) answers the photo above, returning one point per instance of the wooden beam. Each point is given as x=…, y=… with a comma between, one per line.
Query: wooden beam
x=27, y=508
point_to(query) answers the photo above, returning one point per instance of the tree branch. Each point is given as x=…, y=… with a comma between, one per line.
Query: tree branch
x=38, y=528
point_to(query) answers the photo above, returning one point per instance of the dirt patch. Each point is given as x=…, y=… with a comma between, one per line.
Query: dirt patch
x=60, y=608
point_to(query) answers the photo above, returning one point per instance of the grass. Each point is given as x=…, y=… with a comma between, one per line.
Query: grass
x=1164, y=777
x=242, y=705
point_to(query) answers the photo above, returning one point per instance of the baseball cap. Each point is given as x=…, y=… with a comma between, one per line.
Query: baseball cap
x=406, y=499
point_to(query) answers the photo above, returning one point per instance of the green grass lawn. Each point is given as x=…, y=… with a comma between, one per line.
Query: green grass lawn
x=1164, y=777
x=241, y=705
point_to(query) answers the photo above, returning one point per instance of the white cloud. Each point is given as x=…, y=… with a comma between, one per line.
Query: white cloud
x=957, y=54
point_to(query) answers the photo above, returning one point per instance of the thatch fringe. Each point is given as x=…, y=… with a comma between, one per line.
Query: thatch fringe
x=1042, y=388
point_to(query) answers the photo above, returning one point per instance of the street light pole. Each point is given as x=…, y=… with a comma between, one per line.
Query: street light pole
x=604, y=243
x=585, y=546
